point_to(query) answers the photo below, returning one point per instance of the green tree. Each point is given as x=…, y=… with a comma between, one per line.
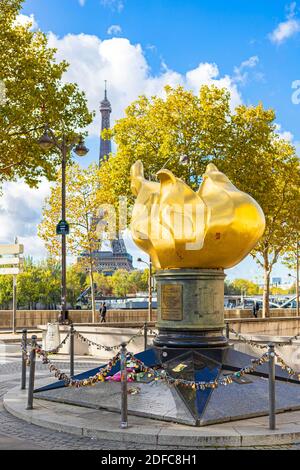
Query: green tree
x=35, y=95
x=138, y=281
x=242, y=143
x=50, y=283
x=6, y=291
x=82, y=207
x=29, y=284
x=103, y=284
x=76, y=283
x=229, y=288
x=291, y=259
x=120, y=283
x=243, y=286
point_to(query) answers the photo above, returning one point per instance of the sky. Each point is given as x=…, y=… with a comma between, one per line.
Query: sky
x=251, y=47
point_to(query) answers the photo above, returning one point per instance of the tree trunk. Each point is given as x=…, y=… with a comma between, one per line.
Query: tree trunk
x=93, y=295
x=266, y=291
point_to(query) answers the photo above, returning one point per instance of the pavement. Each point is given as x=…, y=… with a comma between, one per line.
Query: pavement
x=57, y=426
x=17, y=434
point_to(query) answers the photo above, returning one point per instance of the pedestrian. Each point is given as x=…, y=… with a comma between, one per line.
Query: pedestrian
x=254, y=310
x=257, y=308
x=103, y=313
x=100, y=311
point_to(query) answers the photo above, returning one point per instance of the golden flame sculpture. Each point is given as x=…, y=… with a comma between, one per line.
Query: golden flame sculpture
x=215, y=227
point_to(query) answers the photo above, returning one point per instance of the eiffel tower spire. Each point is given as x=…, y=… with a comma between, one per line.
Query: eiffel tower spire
x=118, y=258
x=105, y=110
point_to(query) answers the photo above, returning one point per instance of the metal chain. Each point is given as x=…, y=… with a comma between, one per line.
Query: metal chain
x=289, y=342
x=107, y=348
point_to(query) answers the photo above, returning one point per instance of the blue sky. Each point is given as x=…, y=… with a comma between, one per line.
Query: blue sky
x=184, y=33
x=140, y=45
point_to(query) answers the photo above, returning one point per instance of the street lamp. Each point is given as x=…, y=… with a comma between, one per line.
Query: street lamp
x=139, y=260
x=47, y=141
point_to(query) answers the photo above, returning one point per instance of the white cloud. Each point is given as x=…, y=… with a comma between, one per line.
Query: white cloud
x=207, y=73
x=91, y=62
x=20, y=214
x=114, y=29
x=81, y=2
x=125, y=67
x=242, y=71
x=286, y=135
x=288, y=28
x=114, y=5
x=23, y=20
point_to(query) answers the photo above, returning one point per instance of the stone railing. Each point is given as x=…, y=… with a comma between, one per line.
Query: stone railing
x=32, y=318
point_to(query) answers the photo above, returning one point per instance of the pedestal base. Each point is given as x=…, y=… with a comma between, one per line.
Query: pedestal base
x=168, y=338
x=190, y=308
x=245, y=397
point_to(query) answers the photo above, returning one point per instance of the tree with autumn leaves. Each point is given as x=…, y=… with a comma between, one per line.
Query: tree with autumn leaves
x=243, y=143
x=33, y=94
x=82, y=208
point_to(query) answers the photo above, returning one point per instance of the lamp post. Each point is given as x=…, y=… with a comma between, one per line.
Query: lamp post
x=139, y=260
x=47, y=141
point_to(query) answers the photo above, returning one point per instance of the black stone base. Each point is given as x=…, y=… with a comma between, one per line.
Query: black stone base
x=190, y=339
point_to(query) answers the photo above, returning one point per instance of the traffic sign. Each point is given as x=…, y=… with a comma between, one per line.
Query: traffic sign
x=62, y=228
x=11, y=271
x=15, y=249
x=6, y=260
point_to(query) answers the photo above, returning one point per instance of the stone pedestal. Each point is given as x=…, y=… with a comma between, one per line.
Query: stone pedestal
x=190, y=308
x=52, y=337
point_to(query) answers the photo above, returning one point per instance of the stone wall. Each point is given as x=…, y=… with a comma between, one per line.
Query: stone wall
x=32, y=318
x=277, y=326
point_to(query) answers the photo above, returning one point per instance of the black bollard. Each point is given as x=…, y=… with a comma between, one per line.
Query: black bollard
x=272, y=403
x=145, y=336
x=123, y=366
x=71, y=350
x=24, y=359
x=31, y=373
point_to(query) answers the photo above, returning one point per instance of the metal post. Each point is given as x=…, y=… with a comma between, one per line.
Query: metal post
x=123, y=366
x=227, y=330
x=145, y=336
x=150, y=292
x=63, y=236
x=272, y=404
x=14, y=304
x=297, y=278
x=72, y=350
x=24, y=350
x=31, y=373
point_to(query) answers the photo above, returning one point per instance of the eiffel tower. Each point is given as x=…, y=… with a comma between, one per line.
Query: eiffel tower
x=118, y=257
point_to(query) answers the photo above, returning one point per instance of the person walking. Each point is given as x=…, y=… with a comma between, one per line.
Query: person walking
x=103, y=313
x=257, y=308
x=254, y=309
x=100, y=311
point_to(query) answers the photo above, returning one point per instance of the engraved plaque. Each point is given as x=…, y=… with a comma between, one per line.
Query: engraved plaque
x=171, y=302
